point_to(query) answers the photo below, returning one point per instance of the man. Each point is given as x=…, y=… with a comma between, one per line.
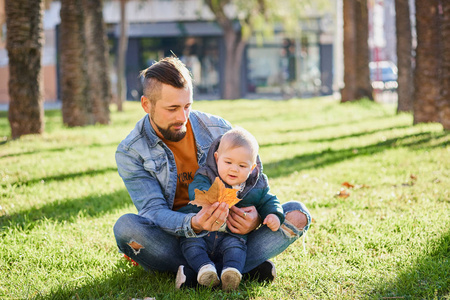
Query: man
x=158, y=160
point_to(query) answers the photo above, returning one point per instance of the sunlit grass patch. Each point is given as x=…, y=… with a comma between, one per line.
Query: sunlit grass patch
x=377, y=187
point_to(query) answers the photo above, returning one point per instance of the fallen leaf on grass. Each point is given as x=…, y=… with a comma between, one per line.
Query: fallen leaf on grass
x=216, y=193
x=348, y=185
x=352, y=186
x=343, y=193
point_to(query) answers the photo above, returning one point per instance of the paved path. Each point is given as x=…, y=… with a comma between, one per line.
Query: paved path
x=47, y=106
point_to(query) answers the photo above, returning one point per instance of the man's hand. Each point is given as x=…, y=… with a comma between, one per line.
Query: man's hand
x=243, y=220
x=210, y=218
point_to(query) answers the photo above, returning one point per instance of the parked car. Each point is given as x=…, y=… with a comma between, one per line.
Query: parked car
x=383, y=75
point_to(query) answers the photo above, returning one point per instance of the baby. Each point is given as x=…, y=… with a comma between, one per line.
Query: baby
x=234, y=159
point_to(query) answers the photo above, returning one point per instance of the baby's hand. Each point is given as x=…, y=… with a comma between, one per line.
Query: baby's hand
x=272, y=222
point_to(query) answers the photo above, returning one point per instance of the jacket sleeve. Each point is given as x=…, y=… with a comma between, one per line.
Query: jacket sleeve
x=200, y=182
x=269, y=204
x=147, y=196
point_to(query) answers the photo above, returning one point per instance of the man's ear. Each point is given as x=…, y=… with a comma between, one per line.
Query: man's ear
x=146, y=104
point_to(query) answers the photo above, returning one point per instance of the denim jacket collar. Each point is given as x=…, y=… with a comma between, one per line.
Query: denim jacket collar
x=152, y=138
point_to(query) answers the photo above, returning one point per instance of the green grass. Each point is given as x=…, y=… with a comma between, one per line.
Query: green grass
x=60, y=195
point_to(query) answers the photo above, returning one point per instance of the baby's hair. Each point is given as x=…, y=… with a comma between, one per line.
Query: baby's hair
x=239, y=137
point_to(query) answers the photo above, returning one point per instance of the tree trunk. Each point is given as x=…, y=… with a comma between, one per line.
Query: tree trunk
x=234, y=50
x=405, y=81
x=364, y=86
x=123, y=45
x=24, y=43
x=235, y=47
x=426, y=76
x=97, y=68
x=443, y=104
x=76, y=107
x=348, y=93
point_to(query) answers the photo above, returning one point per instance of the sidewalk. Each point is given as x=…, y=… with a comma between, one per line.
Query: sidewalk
x=47, y=106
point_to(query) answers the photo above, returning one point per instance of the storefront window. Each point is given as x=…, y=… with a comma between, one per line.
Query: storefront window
x=200, y=54
x=286, y=66
x=309, y=66
x=265, y=70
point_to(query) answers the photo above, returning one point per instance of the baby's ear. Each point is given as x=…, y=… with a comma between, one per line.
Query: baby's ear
x=216, y=155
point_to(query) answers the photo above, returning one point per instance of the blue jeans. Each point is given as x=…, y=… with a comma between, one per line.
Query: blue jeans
x=155, y=249
x=217, y=248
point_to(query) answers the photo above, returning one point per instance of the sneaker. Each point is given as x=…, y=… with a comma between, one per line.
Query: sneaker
x=207, y=276
x=186, y=277
x=264, y=272
x=131, y=260
x=231, y=277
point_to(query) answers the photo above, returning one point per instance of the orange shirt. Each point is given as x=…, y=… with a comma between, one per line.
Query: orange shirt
x=185, y=153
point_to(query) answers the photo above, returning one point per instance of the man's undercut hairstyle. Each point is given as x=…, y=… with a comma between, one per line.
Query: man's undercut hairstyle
x=239, y=137
x=171, y=71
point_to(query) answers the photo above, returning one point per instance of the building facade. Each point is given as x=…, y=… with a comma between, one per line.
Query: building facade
x=280, y=66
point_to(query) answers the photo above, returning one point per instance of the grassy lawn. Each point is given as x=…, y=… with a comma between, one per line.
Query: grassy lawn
x=385, y=237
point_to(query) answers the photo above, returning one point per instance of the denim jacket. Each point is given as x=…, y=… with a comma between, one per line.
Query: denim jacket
x=148, y=170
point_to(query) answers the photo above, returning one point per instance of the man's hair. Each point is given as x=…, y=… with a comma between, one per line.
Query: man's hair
x=171, y=71
x=239, y=137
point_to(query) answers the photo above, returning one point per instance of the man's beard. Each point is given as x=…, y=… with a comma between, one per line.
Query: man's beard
x=173, y=136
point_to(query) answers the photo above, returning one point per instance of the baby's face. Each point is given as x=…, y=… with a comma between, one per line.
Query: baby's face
x=234, y=165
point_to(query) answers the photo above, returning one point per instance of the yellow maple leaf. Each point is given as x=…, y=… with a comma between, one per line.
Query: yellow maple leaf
x=216, y=193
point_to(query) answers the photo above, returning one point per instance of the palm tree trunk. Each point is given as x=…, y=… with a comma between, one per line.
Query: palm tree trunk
x=97, y=68
x=76, y=107
x=426, y=75
x=364, y=86
x=24, y=43
x=348, y=93
x=123, y=45
x=405, y=88
x=444, y=100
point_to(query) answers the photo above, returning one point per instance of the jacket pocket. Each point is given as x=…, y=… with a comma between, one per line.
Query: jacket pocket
x=155, y=165
x=158, y=168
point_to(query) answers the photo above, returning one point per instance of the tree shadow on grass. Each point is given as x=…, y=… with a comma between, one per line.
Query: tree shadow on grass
x=340, y=123
x=427, y=278
x=358, y=134
x=332, y=139
x=61, y=177
x=125, y=282
x=68, y=210
x=329, y=156
x=61, y=149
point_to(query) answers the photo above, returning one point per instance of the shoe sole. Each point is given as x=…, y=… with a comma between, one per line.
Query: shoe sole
x=209, y=279
x=181, y=278
x=273, y=271
x=230, y=280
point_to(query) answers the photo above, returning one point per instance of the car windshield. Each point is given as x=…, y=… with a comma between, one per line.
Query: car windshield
x=383, y=71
